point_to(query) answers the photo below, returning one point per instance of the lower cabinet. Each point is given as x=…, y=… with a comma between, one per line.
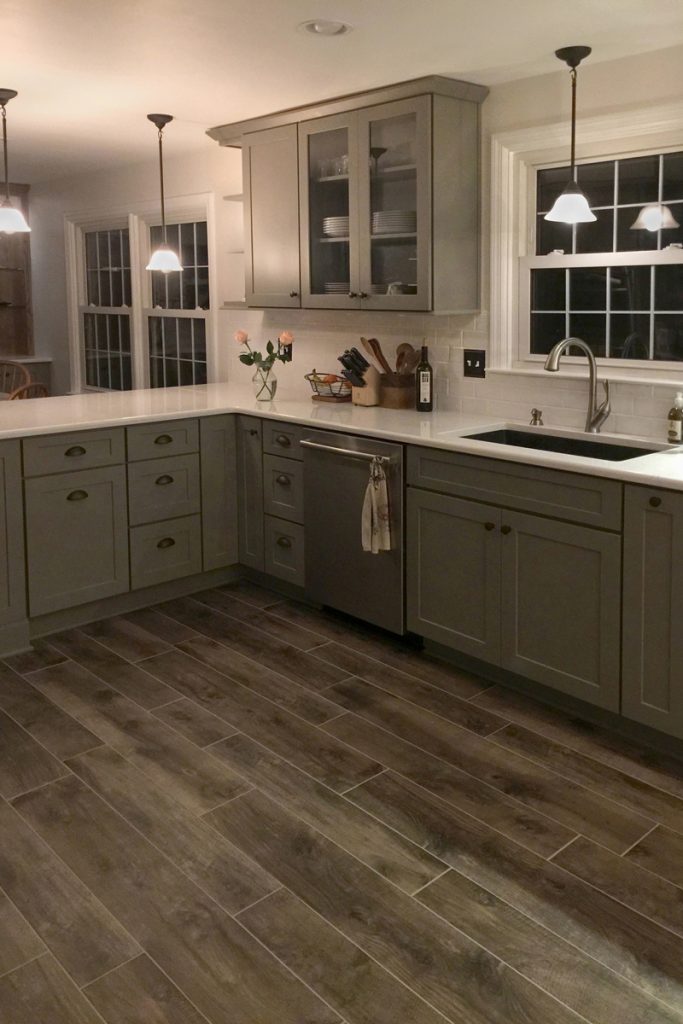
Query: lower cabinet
x=165, y=551
x=284, y=553
x=76, y=538
x=12, y=571
x=536, y=596
x=652, y=677
x=218, y=454
x=250, y=491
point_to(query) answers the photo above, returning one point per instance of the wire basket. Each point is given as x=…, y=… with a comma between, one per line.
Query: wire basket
x=329, y=385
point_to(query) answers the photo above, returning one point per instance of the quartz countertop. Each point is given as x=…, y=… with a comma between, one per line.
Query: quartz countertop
x=438, y=429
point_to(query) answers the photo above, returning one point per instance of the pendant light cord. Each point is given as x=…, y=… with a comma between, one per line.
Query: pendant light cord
x=161, y=180
x=573, y=148
x=4, y=146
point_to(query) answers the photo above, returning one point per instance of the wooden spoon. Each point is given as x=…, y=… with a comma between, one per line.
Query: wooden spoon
x=402, y=352
x=369, y=349
x=379, y=355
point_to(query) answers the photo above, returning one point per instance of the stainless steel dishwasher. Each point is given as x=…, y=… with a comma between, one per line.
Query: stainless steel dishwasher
x=339, y=573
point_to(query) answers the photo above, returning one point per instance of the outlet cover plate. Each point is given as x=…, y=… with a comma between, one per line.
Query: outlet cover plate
x=474, y=362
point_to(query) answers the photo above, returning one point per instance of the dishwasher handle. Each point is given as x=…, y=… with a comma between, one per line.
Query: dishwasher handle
x=333, y=450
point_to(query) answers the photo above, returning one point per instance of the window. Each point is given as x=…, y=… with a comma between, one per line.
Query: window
x=106, y=322
x=617, y=287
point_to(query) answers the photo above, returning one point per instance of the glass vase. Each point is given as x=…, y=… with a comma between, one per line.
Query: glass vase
x=265, y=384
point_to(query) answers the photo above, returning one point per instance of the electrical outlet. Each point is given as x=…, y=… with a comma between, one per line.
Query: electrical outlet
x=474, y=362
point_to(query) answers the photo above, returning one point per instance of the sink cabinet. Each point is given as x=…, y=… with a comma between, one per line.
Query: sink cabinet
x=12, y=572
x=652, y=684
x=250, y=491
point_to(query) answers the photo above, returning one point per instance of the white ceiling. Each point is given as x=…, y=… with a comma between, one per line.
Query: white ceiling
x=88, y=71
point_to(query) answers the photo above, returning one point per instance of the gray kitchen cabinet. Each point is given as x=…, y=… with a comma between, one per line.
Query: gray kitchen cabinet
x=560, y=606
x=652, y=675
x=163, y=489
x=218, y=455
x=12, y=574
x=160, y=552
x=250, y=492
x=453, y=573
x=270, y=167
x=76, y=538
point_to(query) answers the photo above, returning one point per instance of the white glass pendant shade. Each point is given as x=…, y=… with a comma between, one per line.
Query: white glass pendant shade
x=653, y=217
x=571, y=207
x=12, y=221
x=165, y=260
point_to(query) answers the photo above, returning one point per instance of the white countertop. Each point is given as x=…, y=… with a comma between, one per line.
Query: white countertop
x=439, y=429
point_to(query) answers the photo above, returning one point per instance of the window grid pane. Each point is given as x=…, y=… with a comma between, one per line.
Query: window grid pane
x=108, y=361
x=107, y=268
x=177, y=351
x=190, y=288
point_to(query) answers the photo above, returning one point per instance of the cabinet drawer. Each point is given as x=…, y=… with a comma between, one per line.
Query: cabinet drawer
x=282, y=439
x=154, y=440
x=284, y=550
x=549, y=492
x=165, y=551
x=61, y=453
x=283, y=488
x=163, y=489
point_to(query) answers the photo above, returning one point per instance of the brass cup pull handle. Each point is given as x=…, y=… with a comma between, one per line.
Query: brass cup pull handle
x=77, y=496
x=506, y=529
x=353, y=295
x=163, y=481
x=362, y=295
x=284, y=542
x=293, y=295
x=253, y=432
x=283, y=480
x=76, y=449
x=283, y=440
x=163, y=439
x=166, y=542
x=655, y=502
x=489, y=526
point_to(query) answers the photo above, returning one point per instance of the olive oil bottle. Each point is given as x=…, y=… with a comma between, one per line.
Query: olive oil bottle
x=424, y=383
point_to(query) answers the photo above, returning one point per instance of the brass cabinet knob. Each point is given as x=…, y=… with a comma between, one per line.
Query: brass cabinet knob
x=655, y=502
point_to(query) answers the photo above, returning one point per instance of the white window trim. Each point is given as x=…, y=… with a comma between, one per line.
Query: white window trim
x=138, y=217
x=514, y=158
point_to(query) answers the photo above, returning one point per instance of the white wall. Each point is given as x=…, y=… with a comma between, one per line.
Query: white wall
x=625, y=84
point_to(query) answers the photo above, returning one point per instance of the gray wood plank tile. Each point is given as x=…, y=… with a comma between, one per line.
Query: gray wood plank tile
x=248, y=615
x=570, y=805
x=625, y=881
x=600, y=778
x=71, y=922
x=611, y=933
x=125, y=638
x=252, y=593
x=216, y=866
x=194, y=777
x=194, y=723
x=544, y=958
x=356, y=986
x=18, y=941
x=41, y=655
x=662, y=853
x=41, y=993
x=277, y=688
x=535, y=831
x=280, y=657
x=24, y=764
x=455, y=709
x=158, y=624
x=441, y=964
x=405, y=864
x=305, y=746
x=212, y=959
x=58, y=732
x=139, y=993
x=121, y=675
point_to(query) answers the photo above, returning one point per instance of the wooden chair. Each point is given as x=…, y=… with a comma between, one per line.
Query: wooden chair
x=12, y=376
x=33, y=390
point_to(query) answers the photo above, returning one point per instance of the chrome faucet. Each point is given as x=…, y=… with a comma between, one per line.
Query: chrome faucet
x=597, y=414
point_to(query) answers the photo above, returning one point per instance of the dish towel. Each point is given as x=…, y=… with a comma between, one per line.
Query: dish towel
x=376, y=525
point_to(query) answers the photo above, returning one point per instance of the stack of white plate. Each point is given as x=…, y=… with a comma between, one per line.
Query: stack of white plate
x=336, y=227
x=336, y=287
x=394, y=222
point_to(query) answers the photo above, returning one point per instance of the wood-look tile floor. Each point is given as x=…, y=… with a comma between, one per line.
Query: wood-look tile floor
x=237, y=810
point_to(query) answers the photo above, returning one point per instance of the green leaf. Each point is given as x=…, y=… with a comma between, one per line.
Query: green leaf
x=247, y=359
x=269, y=348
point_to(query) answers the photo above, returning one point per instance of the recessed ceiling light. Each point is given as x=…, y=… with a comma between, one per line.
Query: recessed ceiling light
x=323, y=27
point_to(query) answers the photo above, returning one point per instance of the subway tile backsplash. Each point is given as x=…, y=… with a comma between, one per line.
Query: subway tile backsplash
x=321, y=335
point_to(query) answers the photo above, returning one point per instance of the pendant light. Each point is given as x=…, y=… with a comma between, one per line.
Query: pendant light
x=571, y=206
x=653, y=217
x=11, y=219
x=163, y=258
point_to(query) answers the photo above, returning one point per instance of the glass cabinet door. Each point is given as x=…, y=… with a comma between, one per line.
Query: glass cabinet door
x=394, y=205
x=329, y=212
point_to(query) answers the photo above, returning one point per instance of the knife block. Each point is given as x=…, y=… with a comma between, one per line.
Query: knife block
x=368, y=395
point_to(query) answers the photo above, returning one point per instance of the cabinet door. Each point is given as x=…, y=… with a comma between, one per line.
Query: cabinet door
x=76, y=538
x=561, y=587
x=328, y=162
x=395, y=202
x=250, y=491
x=218, y=447
x=270, y=166
x=453, y=583
x=12, y=594
x=652, y=684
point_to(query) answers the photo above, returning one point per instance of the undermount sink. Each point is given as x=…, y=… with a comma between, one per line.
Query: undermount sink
x=607, y=450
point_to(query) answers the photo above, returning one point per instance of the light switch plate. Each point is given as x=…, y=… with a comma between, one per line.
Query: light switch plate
x=474, y=362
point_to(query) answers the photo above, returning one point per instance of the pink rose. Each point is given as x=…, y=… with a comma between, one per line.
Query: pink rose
x=241, y=337
x=286, y=338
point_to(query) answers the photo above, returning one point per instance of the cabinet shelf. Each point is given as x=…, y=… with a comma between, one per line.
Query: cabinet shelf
x=395, y=236
x=327, y=241
x=332, y=177
x=395, y=173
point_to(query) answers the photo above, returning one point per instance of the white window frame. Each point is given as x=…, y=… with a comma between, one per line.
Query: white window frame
x=515, y=158
x=139, y=218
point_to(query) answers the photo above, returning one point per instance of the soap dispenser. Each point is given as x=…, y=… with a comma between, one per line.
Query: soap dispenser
x=676, y=420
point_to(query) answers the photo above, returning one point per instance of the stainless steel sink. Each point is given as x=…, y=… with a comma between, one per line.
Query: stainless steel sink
x=608, y=450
